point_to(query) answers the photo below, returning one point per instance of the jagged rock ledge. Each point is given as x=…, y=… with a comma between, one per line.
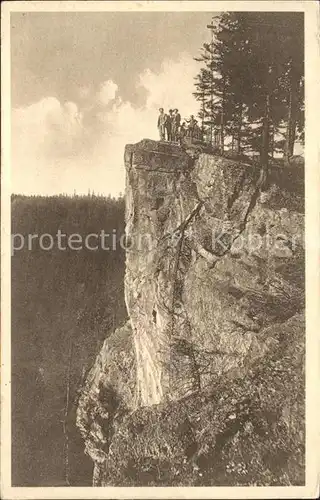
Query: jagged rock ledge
x=216, y=327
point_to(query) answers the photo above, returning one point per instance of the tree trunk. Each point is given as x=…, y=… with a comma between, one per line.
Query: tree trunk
x=202, y=117
x=272, y=141
x=222, y=134
x=264, y=156
x=239, y=131
x=292, y=115
x=216, y=138
x=222, y=118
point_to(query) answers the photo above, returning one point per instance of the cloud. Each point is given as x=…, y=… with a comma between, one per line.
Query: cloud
x=61, y=147
x=173, y=86
x=107, y=92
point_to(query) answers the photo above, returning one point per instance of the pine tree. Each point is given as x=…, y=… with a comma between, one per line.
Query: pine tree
x=294, y=47
x=251, y=85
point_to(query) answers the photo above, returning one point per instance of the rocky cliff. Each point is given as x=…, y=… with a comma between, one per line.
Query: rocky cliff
x=205, y=384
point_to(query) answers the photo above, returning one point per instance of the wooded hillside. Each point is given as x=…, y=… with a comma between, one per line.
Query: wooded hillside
x=64, y=304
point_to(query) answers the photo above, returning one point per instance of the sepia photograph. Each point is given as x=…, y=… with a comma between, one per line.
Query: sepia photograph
x=160, y=250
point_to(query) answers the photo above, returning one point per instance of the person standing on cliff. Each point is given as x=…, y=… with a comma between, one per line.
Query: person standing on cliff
x=162, y=119
x=191, y=127
x=176, y=125
x=169, y=124
x=182, y=133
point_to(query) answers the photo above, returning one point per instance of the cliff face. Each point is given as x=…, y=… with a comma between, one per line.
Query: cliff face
x=214, y=290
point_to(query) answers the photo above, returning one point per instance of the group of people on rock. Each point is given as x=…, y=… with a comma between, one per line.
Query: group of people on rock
x=172, y=130
x=169, y=125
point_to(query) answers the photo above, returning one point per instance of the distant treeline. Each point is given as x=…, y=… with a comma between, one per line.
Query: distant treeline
x=90, y=194
x=64, y=304
x=251, y=83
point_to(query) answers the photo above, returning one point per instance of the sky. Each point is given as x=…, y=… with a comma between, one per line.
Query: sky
x=85, y=84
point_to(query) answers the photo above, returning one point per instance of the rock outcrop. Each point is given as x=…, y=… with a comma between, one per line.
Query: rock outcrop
x=214, y=290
